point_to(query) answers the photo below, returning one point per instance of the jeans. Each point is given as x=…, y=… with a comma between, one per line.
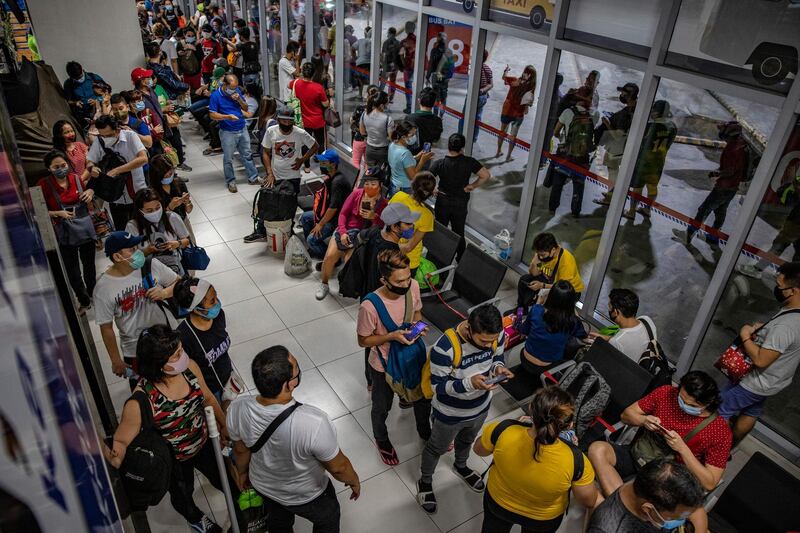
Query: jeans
x=323, y=512
x=231, y=142
x=394, y=189
x=198, y=105
x=260, y=224
x=482, y=98
x=408, y=80
x=452, y=211
x=74, y=258
x=382, y=398
x=462, y=433
x=440, y=88
x=316, y=245
x=717, y=202
x=496, y=519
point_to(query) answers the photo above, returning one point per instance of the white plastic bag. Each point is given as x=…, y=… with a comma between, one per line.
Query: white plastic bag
x=297, y=261
x=502, y=242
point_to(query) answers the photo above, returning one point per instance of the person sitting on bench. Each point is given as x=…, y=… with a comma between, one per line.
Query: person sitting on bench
x=550, y=264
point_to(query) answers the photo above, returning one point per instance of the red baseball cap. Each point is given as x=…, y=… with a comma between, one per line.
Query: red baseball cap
x=140, y=73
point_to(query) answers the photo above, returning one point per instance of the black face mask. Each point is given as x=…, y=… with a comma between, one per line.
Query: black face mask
x=546, y=259
x=623, y=98
x=400, y=291
x=285, y=129
x=779, y=294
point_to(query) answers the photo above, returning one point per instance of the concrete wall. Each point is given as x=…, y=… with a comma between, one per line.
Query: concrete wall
x=102, y=35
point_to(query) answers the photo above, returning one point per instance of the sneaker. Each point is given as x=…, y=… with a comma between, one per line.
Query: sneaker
x=751, y=271
x=322, y=291
x=682, y=235
x=205, y=525
x=426, y=498
x=184, y=167
x=603, y=200
x=232, y=187
x=255, y=237
x=255, y=181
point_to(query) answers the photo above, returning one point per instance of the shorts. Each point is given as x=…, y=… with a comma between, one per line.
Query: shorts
x=506, y=119
x=626, y=464
x=352, y=233
x=645, y=178
x=736, y=400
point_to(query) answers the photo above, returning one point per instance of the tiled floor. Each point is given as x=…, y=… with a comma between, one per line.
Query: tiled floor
x=265, y=307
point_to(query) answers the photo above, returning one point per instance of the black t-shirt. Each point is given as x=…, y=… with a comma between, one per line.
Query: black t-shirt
x=454, y=173
x=622, y=119
x=249, y=56
x=429, y=126
x=377, y=244
x=176, y=190
x=338, y=190
x=612, y=516
x=214, y=350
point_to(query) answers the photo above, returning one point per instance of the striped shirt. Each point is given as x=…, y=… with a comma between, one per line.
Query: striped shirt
x=455, y=399
x=486, y=77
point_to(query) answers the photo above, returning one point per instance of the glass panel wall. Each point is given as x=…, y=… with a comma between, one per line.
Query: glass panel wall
x=504, y=122
x=625, y=26
x=587, y=127
x=697, y=156
x=529, y=14
x=459, y=6
x=274, y=48
x=398, y=47
x=358, y=47
x=748, y=298
x=755, y=42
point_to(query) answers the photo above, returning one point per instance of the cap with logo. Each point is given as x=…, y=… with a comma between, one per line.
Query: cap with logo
x=140, y=73
x=285, y=112
x=330, y=156
x=396, y=213
x=119, y=240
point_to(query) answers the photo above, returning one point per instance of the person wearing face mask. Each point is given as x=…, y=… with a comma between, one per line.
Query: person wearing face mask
x=521, y=92
x=128, y=121
x=165, y=75
x=403, y=163
x=774, y=348
x=78, y=88
x=66, y=140
x=632, y=337
x=550, y=263
x=320, y=222
x=313, y=102
x=165, y=44
x=396, y=283
x=660, y=498
x=66, y=198
x=680, y=422
x=228, y=106
x=144, y=82
x=173, y=194
x=440, y=70
x=285, y=149
x=461, y=396
x=190, y=55
x=612, y=133
x=164, y=231
x=177, y=393
x=212, y=50
x=422, y=189
x=127, y=144
x=291, y=472
x=123, y=298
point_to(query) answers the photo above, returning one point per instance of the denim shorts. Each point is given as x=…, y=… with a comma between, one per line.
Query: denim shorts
x=736, y=400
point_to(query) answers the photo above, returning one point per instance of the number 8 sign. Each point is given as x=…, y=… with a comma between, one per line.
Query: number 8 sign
x=459, y=37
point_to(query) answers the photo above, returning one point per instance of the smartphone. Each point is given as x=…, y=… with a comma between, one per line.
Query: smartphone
x=662, y=429
x=366, y=206
x=426, y=147
x=161, y=246
x=415, y=332
x=497, y=379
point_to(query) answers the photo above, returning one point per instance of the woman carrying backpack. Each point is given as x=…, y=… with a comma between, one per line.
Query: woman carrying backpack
x=165, y=231
x=534, y=468
x=548, y=329
x=177, y=394
x=376, y=125
x=521, y=92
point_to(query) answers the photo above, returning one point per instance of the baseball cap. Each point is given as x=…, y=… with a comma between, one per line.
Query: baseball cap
x=200, y=7
x=630, y=88
x=119, y=240
x=373, y=173
x=139, y=73
x=285, y=112
x=330, y=155
x=394, y=213
x=661, y=108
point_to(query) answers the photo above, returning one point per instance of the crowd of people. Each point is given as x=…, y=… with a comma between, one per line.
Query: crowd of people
x=165, y=330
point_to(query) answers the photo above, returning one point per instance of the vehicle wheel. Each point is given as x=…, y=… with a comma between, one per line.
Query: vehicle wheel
x=772, y=63
x=538, y=17
x=468, y=5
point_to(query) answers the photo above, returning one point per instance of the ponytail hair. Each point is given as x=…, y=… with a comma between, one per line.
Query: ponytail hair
x=423, y=186
x=552, y=410
x=401, y=129
x=376, y=100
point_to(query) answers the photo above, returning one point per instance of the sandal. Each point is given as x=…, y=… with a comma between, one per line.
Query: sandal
x=388, y=454
x=471, y=478
x=426, y=499
x=212, y=151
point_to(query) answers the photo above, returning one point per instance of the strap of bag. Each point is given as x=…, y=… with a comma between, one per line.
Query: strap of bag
x=455, y=341
x=552, y=278
x=147, y=272
x=738, y=341
x=408, y=315
x=144, y=407
x=214, y=370
x=699, y=427
x=273, y=426
x=383, y=313
x=651, y=337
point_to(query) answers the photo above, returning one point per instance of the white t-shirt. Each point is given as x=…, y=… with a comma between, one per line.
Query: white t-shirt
x=160, y=235
x=285, y=149
x=170, y=48
x=128, y=145
x=781, y=334
x=633, y=341
x=285, y=74
x=288, y=467
x=123, y=300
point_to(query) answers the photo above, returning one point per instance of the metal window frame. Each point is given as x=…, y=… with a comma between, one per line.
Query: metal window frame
x=263, y=46
x=338, y=70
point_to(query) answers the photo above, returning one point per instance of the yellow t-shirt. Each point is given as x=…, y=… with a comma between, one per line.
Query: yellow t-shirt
x=535, y=489
x=567, y=269
x=424, y=223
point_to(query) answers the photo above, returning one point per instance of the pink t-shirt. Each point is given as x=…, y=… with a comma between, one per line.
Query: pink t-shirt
x=369, y=323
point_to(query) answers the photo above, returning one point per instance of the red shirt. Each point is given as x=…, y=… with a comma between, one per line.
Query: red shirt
x=68, y=196
x=512, y=106
x=77, y=157
x=211, y=51
x=733, y=161
x=311, y=95
x=711, y=446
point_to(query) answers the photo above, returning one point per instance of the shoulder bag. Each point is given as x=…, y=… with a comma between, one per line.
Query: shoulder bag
x=649, y=445
x=80, y=228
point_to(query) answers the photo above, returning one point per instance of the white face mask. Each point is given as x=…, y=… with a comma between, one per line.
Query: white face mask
x=153, y=217
x=110, y=140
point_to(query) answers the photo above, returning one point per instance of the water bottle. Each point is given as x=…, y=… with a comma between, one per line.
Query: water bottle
x=518, y=321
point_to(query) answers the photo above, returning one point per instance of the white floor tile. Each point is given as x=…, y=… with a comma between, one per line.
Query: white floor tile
x=329, y=338
x=402, y=430
x=359, y=448
x=314, y=390
x=297, y=305
x=222, y=260
x=251, y=319
x=242, y=354
x=473, y=525
x=224, y=206
x=205, y=190
x=205, y=234
x=235, y=227
x=233, y=286
x=346, y=378
x=269, y=277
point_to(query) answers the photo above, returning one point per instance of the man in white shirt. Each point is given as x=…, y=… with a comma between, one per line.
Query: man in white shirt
x=287, y=69
x=632, y=338
x=289, y=466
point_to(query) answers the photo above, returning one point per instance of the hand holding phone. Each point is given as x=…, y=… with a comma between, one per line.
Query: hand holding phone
x=416, y=331
x=497, y=379
x=426, y=147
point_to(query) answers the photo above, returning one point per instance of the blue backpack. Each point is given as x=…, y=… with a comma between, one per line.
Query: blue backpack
x=403, y=367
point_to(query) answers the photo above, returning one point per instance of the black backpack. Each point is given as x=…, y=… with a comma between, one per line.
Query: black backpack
x=145, y=471
x=654, y=361
x=354, y=274
x=275, y=203
x=591, y=392
x=170, y=304
x=105, y=187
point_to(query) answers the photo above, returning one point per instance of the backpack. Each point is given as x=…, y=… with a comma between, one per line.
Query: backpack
x=275, y=203
x=579, y=141
x=168, y=305
x=353, y=274
x=188, y=63
x=455, y=342
x=404, y=363
x=654, y=361
x=108, y=188
x=320, y=203
x=390, y=55
x=145, y=472
x=591, y=393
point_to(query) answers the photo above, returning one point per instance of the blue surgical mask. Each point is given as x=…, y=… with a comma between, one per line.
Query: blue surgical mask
x=167, y=181
x=212, y=312
x=412, y=140
x=139, y=106
x=191, y=40
x=689, y=409
x=670, y=524
x=230, y=92
x=136, y=260
x=407, y=233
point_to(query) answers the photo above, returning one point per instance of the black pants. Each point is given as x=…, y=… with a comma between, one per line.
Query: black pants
x=120, y=215
x=181, y=485
x=74, y=258
x=177, y=143
x=323, y=512
x=382, y=398
x=534, y=371
x=496, y=519
x=319, y=136
x=526, y=296
x=717, y=202
x=559, y=180
x=452, y=211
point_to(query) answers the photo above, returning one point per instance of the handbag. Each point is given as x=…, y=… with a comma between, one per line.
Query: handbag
x=79, y=229
x=332, y=117
x=294, y=103
x=734, y=362
x=173, y=119
x=170, y=152
x=194, y=257
x=102, y=222
x=649, y=446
